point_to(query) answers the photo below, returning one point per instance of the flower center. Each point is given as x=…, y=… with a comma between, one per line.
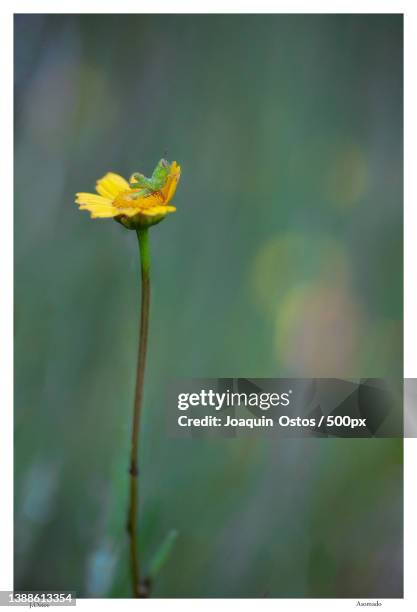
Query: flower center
x=131, y=199
x=126, y=199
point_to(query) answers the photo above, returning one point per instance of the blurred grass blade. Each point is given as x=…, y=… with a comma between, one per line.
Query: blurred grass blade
x=162, y=554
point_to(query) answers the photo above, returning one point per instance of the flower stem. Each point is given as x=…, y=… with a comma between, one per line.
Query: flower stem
x=132, y=523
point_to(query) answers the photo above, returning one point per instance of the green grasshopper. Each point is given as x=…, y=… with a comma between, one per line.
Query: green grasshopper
x=148, y=186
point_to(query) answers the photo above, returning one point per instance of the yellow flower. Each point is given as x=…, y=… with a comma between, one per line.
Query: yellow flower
x=133, y=207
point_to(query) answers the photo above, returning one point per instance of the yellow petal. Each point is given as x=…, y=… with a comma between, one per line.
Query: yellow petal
x=111, y=185
x=147, y=212
x=91, y=198
x=129, y=212
x=157, y=210
x=100, y=210
x=171, y=185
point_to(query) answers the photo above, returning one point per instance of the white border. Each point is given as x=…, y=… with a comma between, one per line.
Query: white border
x=409, y=7
x=214, y=6
x=6, y=305
x=410, y=295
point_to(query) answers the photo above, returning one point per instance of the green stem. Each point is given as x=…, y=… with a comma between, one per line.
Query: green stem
x=132, y=523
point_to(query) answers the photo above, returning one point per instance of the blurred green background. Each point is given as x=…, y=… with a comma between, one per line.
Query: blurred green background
x=284, y=259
